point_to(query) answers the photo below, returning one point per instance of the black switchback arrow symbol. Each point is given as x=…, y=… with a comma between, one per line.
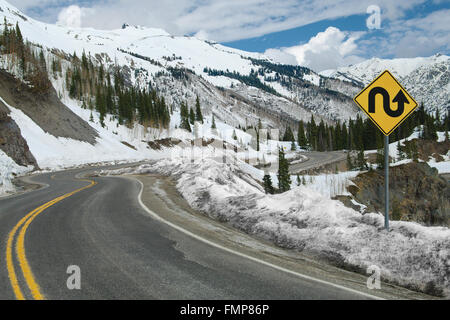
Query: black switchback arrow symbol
x=400, y=99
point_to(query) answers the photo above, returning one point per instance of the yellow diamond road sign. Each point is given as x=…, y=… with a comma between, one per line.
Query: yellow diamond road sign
x=386, y=102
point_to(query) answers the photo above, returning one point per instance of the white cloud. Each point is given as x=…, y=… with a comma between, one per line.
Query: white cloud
x=229, y=20
x=423, y=36
x=329, y=49
x=280, y=56
x=70, y=17
x=405, y=38
x=221, y=20
x=202, y=34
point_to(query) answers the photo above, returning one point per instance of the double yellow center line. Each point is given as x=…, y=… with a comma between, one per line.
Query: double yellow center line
x=21, y=228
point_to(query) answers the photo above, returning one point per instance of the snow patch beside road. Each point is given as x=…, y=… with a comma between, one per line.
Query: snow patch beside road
x=8, y=171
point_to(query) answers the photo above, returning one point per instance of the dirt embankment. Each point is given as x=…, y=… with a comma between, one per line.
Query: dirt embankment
x=12, y=142
x=431, y=149
x=46, y=110
x=417, y=193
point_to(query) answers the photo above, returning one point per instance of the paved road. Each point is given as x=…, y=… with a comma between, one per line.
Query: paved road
x=318, y=159
x=122, y=252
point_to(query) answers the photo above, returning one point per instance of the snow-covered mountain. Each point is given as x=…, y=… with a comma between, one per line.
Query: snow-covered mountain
x=426, y=78
x=238, y=88
x=261, y=88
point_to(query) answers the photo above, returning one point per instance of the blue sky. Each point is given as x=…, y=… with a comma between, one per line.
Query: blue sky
x=320, y=34
x=295, y=36
x=302, y=34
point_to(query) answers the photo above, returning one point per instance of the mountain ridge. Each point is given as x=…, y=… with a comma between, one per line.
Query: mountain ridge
x=156, y=51
x=150, y=55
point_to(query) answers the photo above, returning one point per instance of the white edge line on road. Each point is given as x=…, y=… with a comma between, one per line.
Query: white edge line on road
x=158, y=218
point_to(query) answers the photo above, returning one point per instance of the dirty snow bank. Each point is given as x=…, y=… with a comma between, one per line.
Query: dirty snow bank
x=8, y=170
x=410, y=254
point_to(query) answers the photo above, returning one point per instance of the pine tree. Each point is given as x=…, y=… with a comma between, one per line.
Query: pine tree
x=345, y=138
x=299, y=181
x=20, y=48
x=288, y=135
x=407, y=149
x=235, y=137
x=433, y=129
x=312, y=133
x=5, y=31
x=293, y=146
x=438, y=120
x=198, y=111
x=284, y=179
x=400, y=153
x=100, y=107
x=361, y=160
x=257, y=139
x=184, y=113
x=301, y=137
x=268, y=187
x=429, y=129
x=322, y=144
x=350, y=165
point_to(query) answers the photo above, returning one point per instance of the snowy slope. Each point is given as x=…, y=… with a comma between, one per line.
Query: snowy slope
x=368, y=70
x=128, y=47
x=150, y=42
x=55, y=152
x=430, y=85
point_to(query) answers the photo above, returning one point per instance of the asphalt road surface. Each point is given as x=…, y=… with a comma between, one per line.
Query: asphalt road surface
x=122, y=252
x=317, y=160
x=136, y=238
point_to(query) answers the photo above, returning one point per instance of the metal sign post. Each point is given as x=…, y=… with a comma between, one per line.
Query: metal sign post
x=386, y=182
x=387, y=104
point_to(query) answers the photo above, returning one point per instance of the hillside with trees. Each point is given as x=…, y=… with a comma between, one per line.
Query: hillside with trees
x=23, y=58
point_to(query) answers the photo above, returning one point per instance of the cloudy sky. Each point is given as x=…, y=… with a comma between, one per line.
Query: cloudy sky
x=320, y=34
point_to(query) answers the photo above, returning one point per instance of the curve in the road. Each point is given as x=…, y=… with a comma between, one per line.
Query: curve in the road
x=24, y=265
x=262, y=262
x=124, y=253
x=317, y=160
